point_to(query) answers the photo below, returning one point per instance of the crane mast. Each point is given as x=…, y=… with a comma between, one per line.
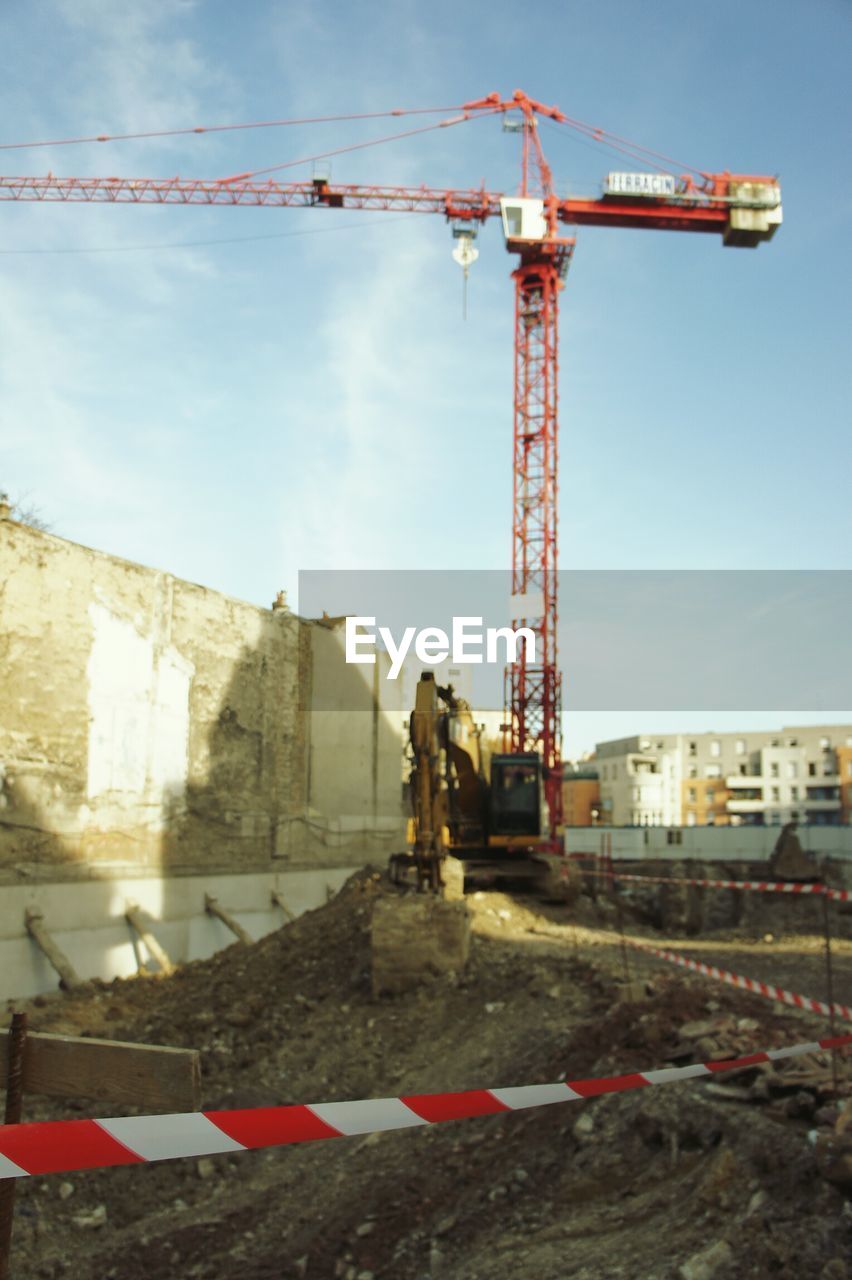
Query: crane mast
x=533, y=692
x=743, y=209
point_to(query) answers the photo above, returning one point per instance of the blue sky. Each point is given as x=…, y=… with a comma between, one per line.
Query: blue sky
x=309, y=396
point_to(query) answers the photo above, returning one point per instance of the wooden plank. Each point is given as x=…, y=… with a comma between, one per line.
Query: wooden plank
x=211, y=906
x=141, y=1075
x=278, y=901
x=133, y=916
x=68, y=978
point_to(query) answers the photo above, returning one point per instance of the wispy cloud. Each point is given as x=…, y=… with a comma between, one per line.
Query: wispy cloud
x=64, y=402
x=141, y=70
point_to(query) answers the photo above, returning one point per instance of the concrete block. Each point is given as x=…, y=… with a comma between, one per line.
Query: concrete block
x=416, y=937
x=452, y=877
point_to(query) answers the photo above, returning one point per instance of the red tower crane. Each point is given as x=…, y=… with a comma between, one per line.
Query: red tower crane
x=743, y=209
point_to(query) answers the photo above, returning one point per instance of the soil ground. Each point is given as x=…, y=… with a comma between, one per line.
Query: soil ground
x=630, y=1185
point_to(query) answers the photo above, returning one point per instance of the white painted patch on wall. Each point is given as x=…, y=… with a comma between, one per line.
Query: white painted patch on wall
x=138, y=697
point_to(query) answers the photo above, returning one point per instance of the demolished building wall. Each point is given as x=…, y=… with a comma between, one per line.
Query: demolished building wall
x=148, y=722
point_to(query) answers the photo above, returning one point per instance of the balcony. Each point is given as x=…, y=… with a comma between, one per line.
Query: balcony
x=643, y=765
x=736, y=780
x=743, y=804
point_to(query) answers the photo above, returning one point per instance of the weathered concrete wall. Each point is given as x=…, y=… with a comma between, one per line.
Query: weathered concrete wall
x=355, y=764
x=147, y=722
x=144, y=720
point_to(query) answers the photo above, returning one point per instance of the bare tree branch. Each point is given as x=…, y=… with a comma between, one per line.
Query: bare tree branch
x=24, y=510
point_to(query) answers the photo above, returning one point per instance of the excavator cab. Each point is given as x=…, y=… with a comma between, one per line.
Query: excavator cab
x=482, y=809
x=515, y=795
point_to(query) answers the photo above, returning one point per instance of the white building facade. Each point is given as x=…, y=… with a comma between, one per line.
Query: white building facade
x=733, y=779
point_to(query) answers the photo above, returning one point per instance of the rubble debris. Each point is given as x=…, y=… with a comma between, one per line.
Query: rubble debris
x=709, y=1263
x=638, y=1185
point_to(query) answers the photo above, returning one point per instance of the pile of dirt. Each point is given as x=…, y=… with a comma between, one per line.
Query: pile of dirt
x=658, y=1183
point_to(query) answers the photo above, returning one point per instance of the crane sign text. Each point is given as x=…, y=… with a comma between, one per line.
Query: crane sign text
x=661, y=185
x=468, y=643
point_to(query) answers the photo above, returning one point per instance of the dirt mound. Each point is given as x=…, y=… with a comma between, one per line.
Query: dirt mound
x=629, y=1185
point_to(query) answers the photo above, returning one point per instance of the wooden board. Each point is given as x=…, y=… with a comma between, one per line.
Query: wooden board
x=150, y=1076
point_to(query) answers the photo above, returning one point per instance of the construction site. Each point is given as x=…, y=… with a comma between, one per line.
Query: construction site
x=289, y=917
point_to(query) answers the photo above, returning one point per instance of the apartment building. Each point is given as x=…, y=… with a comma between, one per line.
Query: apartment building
x=719, y=779
x=581, y=795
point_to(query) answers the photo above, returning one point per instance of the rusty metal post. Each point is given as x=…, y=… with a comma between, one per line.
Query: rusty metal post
x=14, y=1104
x=829, y=985
x=620, y=923
x=615, y=892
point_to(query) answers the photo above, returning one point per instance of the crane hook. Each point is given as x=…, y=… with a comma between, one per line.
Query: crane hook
x=465, y=254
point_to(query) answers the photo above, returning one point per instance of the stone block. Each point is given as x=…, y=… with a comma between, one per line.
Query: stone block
x=417, y=937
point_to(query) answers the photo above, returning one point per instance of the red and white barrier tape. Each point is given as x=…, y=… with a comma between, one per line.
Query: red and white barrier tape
x=745, y=984
x=759, y=886
x=60, y=1146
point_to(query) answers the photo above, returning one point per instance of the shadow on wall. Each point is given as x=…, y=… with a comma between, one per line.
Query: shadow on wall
x=150, y=726
x=301, y=765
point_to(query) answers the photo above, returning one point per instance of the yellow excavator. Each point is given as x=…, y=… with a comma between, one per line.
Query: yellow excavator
x=468, y=803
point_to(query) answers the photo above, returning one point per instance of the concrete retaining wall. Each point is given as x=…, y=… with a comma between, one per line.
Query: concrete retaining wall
x=86, y=919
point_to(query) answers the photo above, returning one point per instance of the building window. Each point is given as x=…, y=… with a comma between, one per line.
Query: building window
x=794, y=793
x=691, y=795
x=776, y=742
x=743, y=770
x=644, y=744
x=692, y=771
x=713, y=771
x=711, y=795
x=741, y=746
x=693, y=749
x=690, y=819
x=773, y=769
x=792, y=769
x=715, y=748
x=775, y=793
x=811, y=770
